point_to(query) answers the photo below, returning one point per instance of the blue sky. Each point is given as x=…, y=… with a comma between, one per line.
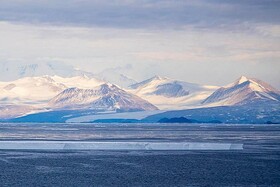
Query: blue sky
x=208, y=42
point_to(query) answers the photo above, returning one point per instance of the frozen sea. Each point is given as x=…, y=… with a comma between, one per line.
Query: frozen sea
x=258, y=164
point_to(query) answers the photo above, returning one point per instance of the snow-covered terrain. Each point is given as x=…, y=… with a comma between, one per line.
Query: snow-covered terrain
x=34, y=90
x=32, y=94
x=104, y=97
x=82, y=82
x=10, y=71
x=36, y=94
x=243, y=91
x=167, y=93
x=83, y=98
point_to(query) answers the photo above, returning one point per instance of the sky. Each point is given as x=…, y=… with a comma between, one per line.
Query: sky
x=202, y=41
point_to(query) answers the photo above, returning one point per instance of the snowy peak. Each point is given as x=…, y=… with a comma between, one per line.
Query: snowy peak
x=83, y=82
x=254, y=84
x=74, y=96
x=168, y=93
x=241, y=80
x=36, y=90
x=115, y=77
x=244, y=91
x=158, y=85
x=159, y=78
x=103, y=97
x=166, y=87
x=151, y=81
x=30, y=89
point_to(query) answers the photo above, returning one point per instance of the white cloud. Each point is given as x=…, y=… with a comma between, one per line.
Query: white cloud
x=268, y=30
x=191, y=54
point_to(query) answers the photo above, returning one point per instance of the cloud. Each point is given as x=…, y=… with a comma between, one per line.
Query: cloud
x=167, y=14
x=269, y=30
x=193, y=40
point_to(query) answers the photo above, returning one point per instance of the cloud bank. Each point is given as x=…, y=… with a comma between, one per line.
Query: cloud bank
x=142, y=13
x=210, y=42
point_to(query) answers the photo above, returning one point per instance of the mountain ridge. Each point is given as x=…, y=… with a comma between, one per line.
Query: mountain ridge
x=89, y=94
x=243, y=91
x=104, y=97
x=168, y=93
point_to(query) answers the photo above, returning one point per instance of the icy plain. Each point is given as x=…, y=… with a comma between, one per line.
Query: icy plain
x=126, y=145
x=257, y=164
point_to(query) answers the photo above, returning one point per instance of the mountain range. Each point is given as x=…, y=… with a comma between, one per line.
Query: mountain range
x=168, y=93
x=45, y=93
x=11, y=71
x=82, y=93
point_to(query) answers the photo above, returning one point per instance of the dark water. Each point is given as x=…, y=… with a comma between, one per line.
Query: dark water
x=257, y=165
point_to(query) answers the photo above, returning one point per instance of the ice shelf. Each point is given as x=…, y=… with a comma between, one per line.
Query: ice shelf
x=82, y=145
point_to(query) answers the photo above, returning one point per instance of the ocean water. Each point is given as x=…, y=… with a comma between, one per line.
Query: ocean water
x=258, y=164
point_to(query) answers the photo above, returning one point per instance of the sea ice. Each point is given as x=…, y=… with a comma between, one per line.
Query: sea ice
x=82, y=145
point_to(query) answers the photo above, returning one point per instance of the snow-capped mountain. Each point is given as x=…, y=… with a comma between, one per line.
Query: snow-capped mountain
x=104, y=97
x=243, y=91
x=29, y=90
x=34, y=90
x=31, y=94
x=12, y=71
x=167, y=93
x=65, y=96
x=35, y=94
x=114, y=77
x=83, y=82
